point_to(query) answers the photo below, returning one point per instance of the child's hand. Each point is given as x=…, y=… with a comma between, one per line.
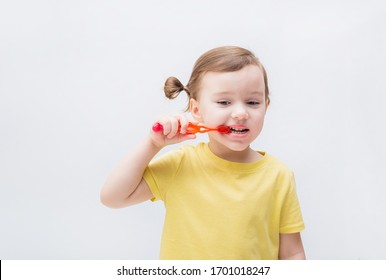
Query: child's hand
x=174, y=131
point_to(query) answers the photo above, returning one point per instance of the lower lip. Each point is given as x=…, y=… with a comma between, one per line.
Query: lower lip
x=237, y=135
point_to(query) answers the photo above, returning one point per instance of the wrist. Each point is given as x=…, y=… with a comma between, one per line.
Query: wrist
x=154, y=144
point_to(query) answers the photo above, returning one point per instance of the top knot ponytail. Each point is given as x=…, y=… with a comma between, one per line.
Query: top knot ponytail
x=173, y=87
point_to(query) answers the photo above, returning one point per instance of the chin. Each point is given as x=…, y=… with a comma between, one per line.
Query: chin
x=238, y=148
x=235, y=146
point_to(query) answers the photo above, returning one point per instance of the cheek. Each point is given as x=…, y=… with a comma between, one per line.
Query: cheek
x=259, y=121
x=258, y=114
x=213, y=117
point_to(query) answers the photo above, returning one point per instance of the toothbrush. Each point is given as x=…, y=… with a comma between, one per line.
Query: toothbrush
x=194, y=128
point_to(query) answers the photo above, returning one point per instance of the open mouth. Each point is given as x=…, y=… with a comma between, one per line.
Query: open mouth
x=239, y=130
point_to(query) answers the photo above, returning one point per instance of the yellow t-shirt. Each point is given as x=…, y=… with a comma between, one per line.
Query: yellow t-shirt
x=217, y=209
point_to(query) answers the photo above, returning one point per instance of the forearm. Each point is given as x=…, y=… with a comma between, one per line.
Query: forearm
x=291, y=247
x=125, y=178
x=124, y=186
x=296, y=256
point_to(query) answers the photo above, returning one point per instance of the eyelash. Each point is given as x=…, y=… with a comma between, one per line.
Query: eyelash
x=223, y=102
x=253, y=102
x=226, y=102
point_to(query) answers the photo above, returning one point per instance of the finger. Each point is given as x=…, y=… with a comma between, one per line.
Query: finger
x=184, y=122
x=174, y=124
x=185, y=137
x=166, y=125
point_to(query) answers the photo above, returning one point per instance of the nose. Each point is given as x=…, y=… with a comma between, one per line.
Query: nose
x=240, y=113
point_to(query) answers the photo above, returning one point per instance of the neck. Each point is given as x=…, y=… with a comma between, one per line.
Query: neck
x=244, y=156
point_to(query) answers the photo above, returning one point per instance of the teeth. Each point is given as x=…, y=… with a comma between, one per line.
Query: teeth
x=239, y=130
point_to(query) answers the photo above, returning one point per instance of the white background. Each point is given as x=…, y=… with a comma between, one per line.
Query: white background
x=81, y=83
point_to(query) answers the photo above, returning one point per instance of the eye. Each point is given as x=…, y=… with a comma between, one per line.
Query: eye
x=223, y=102
x=253, y=102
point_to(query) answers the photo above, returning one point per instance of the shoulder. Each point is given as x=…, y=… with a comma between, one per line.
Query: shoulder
x=190, y=150
x=176, y=154
x=186, y=150
x=274, y=162
x=278, y=169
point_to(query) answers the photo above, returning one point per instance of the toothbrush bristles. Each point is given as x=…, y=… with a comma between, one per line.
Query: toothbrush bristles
x=223, y=129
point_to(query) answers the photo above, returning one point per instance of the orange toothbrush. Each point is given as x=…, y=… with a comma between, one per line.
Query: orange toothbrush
x=194, y=128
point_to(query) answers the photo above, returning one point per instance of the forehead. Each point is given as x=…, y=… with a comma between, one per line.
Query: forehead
x=249, y=79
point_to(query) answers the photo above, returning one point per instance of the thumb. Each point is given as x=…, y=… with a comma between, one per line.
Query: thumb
x=185, y=137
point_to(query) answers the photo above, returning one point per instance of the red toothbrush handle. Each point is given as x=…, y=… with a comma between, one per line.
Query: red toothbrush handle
x=158, y=127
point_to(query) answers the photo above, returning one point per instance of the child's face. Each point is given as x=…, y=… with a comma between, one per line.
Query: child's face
x=236, y=99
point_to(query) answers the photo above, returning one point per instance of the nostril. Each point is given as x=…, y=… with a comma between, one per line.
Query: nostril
x=240, y=115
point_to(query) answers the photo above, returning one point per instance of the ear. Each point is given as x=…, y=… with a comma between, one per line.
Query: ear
x=195, y=110
x=266, y=104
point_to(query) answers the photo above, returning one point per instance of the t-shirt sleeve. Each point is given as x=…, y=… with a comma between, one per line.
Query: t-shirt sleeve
x=160, y=172
x=291, y=220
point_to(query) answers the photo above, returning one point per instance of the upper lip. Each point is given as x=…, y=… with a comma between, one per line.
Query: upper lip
x=238, y=126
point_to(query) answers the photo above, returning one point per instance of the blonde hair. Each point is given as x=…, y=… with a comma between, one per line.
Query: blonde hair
x=221, y=59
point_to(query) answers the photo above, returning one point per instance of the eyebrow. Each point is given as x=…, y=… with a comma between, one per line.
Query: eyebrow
x=229, y=93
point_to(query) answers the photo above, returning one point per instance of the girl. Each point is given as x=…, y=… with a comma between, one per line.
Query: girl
x=223, y=199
